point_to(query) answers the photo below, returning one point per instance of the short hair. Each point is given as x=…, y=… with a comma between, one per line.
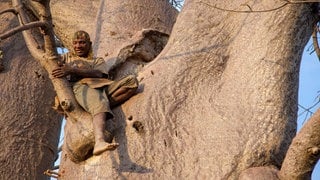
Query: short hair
x=84, y=35
x=81, y=35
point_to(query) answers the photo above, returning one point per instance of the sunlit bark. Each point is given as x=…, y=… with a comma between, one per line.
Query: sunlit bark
x=219, y=102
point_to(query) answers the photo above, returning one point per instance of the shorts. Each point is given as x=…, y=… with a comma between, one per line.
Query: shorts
x=96, y=100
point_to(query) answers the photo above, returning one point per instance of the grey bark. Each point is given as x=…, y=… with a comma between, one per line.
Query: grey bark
x=304, y=151
x=29, y=127
x=220, y=99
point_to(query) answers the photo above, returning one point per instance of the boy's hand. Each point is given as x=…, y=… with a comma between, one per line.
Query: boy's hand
x=62, y=71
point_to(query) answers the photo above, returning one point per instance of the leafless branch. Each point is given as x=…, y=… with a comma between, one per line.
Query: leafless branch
x=304, y=151
x=309, y=109
x=48, y=56
x=22, y=28
x=315, y=41
x=11, y=10
x=307, y=113
x=285, y=3
x=305, y=110
x=29, y=39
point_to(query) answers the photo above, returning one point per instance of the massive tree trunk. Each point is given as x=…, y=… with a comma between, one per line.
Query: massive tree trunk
x=29, y=126
x=219, y=99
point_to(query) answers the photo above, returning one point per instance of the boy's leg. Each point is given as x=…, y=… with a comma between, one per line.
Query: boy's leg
x=122, y=90
x=96, y=103
x=98, y=128
x=121, y=95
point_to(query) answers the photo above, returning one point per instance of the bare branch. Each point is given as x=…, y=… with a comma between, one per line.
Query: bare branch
x=29, y=39
x=48, y=56
x=22, y=28
x=304, y=151
x=11, y=10
x=285, y=3
x=305, y=110
x=246, y=11
x=315, y=41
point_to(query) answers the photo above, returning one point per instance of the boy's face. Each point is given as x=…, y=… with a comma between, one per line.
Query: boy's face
x=81, y=47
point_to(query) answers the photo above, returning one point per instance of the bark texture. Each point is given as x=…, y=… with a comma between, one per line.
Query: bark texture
x=111, y=24
x=227, y=99
x=29, y=127
x=304, y=152
x=219, y=99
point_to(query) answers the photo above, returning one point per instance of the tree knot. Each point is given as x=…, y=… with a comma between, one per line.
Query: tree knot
x=314, y=151
x=66, y=105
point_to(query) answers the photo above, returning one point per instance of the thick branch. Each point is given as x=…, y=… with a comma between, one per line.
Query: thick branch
x=22, y=28
x=62, y=87
x=30, y=42
x=11, y=10
x=48, y=57
x=304, y=152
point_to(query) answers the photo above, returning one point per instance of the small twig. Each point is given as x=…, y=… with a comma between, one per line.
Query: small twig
x=315, y=104
x=246, y=11
x=249, y=7
x=308, y=110
x=286, y=2
x=305, y=110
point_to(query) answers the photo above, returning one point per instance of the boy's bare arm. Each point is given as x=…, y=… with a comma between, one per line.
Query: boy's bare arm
x=66, y=70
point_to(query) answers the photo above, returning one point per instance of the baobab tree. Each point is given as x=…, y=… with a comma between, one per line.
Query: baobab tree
x=218, y=101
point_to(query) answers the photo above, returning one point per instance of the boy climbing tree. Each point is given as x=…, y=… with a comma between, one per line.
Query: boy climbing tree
x=93, y=91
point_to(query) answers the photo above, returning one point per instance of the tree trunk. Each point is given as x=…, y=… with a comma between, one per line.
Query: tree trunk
x=114, y=27
x=223, y=93
x=29, y=127
x=209, y=107
x=220, y=99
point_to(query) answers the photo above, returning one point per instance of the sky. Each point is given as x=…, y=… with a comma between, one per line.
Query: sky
x=309, y=90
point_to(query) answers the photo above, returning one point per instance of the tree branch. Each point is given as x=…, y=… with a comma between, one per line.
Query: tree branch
x=22, y=28
x=285, y=3
x=11, y=10
x=48, y=57
x=32, y=45
x=315, y=41
x=304, y=151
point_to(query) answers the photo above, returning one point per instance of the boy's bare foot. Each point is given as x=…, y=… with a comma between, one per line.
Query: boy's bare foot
x=104, y=146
